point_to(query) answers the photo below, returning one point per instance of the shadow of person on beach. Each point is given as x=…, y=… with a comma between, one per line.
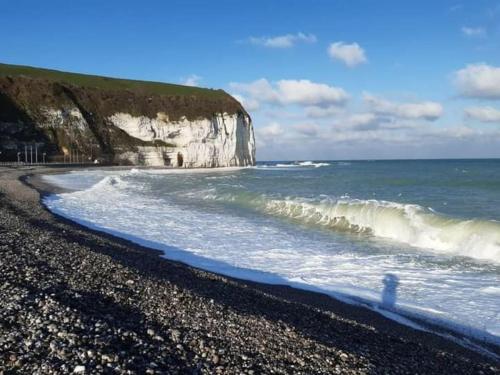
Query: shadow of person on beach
x=313, y=316
x=389, y=292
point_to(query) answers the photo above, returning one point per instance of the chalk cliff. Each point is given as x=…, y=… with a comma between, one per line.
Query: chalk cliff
x=91, y=118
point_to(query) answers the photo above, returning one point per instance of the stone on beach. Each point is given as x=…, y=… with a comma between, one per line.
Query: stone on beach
x=68, y=306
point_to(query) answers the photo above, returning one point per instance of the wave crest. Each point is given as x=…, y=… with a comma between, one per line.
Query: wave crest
x=297, y=164
x=407, y=223
x=411, y=224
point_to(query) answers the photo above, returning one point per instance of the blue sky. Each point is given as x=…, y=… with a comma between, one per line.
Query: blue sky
x=321, y=79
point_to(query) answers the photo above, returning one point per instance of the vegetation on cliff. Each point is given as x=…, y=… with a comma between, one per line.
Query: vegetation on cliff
x=107, y=83
x=61, y=111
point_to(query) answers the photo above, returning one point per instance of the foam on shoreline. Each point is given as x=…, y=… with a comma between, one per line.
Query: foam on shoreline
x=112, y=183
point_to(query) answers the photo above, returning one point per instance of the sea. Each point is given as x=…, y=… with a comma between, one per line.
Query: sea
x=415, y=240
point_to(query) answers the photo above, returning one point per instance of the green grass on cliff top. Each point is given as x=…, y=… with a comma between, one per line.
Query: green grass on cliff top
x=108, y=83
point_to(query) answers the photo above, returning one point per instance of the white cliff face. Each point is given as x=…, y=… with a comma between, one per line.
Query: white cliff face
x=222, y=141
x=59, y=117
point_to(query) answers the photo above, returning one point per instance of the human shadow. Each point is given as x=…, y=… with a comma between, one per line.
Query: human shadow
x=311, y=315
x=389, y=293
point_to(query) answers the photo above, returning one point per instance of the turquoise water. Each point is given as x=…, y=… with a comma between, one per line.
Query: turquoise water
x=413, y=239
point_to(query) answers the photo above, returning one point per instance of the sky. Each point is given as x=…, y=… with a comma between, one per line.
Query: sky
x=321, y=79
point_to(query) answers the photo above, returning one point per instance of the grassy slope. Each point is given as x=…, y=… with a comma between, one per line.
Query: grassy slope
x=86, y=80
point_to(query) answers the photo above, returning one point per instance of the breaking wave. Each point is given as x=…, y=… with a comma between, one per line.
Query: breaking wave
x=297, y=164
x=238, y=234
x=110, y=183
x=411, y=224
x=407, y=223
x=312, y=164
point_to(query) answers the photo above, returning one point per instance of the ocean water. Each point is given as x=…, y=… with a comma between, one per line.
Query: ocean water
x=415, y=240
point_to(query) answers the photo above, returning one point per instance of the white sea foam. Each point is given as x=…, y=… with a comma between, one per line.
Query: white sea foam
x=279, y=165
x=297, y=164
x=258, y=246
x=312, y=164
x=407, y=223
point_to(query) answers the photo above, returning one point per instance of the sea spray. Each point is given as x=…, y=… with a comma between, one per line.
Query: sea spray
x=337, y=229
x=407, y=223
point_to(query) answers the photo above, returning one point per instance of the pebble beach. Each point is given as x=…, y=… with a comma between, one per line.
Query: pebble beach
x=75, y=300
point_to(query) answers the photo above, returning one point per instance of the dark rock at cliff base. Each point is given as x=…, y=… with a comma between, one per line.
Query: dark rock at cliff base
x=83, y=118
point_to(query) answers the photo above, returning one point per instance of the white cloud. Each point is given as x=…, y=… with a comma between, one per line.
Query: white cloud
x=350, y=54
x=394, y=139
x=283, y=41
x=422, y=110
x=321, y=112
x=260, y=90
x=299, y=92
x=272, y=130
x=305, y=92
x=461, y=132
x=309, y=130
x=192, y=80
x=248, y=103
x=473, y=31
x=479, y=81
x=362, y=121
x=270, y=134
x=484, y=114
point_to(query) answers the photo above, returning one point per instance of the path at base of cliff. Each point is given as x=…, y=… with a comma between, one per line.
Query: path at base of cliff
x=61, y=116
x=78, y=300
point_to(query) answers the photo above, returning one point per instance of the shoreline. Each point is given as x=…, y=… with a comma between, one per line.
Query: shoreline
x=320, y=327
x=469, y=337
